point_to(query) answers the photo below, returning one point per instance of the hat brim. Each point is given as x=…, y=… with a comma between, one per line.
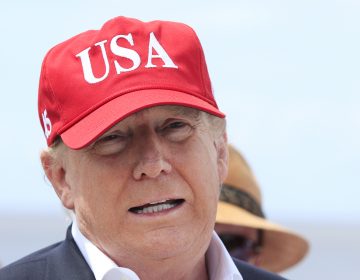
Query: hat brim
x=281, y=249
x=100, y=120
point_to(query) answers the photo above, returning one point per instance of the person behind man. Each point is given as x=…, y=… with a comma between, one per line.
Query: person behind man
x=138, y=151
x=243, y=228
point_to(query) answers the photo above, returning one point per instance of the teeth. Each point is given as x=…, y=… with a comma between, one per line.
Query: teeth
x=153, y=203
x=155, y=208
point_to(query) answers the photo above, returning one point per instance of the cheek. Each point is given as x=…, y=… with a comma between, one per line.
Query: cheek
x=86, y=183
x=199, y=172
x=95, y=200
x=199, y=168
x=100, y=187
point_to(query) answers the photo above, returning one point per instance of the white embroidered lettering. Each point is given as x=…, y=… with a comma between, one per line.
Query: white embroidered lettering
x=161, y=53
x=47, y=124
x=125, y=52
x=155, y=51
x=86, y=64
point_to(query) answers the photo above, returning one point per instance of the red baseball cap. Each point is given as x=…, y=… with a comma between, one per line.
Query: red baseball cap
x=99, y=77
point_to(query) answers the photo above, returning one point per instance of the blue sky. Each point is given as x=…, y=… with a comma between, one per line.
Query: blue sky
x=285, y=72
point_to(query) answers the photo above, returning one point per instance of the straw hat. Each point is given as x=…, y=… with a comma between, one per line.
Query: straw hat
x=240, y=206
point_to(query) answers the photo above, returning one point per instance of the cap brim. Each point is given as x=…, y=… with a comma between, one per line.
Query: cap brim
x=100, y=120
x=282, y=248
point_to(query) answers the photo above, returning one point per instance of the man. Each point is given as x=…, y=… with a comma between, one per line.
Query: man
x=137, y=150
x=243, y=228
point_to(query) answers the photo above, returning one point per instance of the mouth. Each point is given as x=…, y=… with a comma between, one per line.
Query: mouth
x=157, y=207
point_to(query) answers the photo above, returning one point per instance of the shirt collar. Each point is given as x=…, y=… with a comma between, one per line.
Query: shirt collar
x=220, y=263
x=100, y=264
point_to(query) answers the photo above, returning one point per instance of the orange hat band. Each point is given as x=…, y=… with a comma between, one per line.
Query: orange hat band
x=240, y=198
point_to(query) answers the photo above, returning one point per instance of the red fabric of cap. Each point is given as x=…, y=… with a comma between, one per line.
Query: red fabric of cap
x=95, y=79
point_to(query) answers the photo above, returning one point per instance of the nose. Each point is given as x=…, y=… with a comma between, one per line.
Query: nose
x=151, y=162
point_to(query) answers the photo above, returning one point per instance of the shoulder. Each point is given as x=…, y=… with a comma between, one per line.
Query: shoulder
x=62, y=260
x=32, y=266
x=251, y=272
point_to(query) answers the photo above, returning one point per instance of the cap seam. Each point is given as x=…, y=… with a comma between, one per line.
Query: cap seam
x=49, y=86
x=199, y=52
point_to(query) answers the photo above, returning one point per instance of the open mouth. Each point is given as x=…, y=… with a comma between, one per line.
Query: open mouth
x=156, y=207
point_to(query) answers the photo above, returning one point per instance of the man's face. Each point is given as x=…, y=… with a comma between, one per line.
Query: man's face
x=149, y=186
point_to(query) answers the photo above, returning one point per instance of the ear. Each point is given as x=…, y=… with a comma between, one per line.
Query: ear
x=55, y=171
x=223, y=156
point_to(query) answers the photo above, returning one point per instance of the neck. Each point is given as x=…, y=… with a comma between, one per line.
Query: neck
x=183, y=267
x=174, y=270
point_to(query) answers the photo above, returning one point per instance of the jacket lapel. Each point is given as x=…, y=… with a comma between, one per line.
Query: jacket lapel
x=67, y=262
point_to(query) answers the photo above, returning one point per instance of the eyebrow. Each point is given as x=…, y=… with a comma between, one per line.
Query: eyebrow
x=185, y=111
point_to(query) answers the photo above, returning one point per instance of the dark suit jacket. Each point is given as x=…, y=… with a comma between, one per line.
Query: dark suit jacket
x=64, y=261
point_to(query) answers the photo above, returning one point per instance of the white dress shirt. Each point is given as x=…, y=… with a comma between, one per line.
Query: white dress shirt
x=220, y=264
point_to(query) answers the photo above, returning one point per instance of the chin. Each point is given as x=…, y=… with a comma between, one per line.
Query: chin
x=167, y=244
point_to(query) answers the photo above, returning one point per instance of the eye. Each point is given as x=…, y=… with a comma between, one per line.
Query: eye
x=176, y=125
x=176, y=130
x=110, y=144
